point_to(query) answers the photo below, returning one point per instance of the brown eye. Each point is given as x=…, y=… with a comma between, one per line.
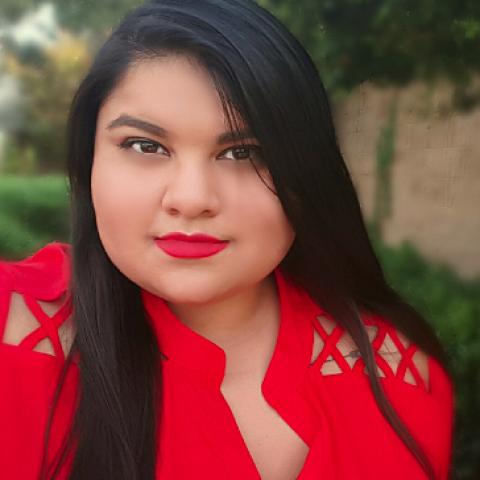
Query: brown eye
x=244, y=152
x=241, y=152
x=145, y=146
x=142, y=146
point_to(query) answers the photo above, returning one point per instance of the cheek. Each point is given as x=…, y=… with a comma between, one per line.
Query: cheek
x=265, y=220
x=117, y=201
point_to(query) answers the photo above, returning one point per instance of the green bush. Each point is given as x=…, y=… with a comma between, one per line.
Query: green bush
x=33, y=211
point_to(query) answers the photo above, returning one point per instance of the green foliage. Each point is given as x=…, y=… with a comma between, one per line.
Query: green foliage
x=12, y=10
x=33, y=212
x=18, y=160
x=386, y=41
x=452, y=306
x=77, y=15
x=50, y=80
x=100, y=16
x=384, y=160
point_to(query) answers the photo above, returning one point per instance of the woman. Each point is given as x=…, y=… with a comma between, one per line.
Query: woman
x=225, y=316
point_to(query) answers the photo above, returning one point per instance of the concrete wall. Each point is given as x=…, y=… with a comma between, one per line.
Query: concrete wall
x=435, y=172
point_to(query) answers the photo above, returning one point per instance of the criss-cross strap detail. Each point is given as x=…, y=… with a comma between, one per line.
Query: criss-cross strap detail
x=48, y=327
x=405, y=354
x=330, y=350
x=395, y=356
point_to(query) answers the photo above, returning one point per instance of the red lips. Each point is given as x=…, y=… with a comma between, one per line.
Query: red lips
x=198, y=245
x=196, y=237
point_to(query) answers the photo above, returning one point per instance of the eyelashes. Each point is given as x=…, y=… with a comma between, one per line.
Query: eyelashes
x=145, y=146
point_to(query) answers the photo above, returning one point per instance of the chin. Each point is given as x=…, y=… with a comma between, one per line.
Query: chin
x=185, y=295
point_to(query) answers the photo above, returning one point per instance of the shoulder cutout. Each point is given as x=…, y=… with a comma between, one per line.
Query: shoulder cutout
x=34, y=304
x=39, y=326
x=334, y=352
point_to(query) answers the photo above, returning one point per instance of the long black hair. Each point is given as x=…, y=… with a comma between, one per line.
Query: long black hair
x=262, y=73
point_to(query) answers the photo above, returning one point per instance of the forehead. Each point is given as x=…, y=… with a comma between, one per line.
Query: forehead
x=175, y=92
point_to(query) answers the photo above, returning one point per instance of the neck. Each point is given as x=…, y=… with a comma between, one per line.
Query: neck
x=244, y=325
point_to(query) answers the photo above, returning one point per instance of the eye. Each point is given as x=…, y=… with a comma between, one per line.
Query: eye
x=145, y=146
x=141, y=145
x=245, y=152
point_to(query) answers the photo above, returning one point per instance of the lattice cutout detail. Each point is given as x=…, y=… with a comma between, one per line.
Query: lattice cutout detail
x=334, y=352
x=37, y=326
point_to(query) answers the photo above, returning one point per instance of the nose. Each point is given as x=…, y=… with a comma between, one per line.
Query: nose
x=191, y=190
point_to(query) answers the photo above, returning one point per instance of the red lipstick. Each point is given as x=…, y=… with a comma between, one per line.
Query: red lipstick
x=198, y=245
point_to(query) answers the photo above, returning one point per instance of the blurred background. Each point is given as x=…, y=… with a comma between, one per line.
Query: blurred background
x=404, y=82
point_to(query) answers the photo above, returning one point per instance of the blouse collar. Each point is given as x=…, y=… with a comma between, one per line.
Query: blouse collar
x=181, y=346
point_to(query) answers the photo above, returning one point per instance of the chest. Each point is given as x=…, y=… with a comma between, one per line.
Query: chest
x=276, y=449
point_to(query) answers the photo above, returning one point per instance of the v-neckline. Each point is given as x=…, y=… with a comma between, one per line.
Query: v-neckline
x=284, y=380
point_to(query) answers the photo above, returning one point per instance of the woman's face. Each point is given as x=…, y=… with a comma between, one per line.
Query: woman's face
x=158, y=168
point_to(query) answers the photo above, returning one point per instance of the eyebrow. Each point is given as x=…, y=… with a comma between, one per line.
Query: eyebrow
x=129, y=121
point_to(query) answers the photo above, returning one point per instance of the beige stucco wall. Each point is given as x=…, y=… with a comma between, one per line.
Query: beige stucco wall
x=435, y=173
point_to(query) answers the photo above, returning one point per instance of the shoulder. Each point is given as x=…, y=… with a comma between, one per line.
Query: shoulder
x=419, y=389
x=44, y=274
x=397, y=358
x=34, y=301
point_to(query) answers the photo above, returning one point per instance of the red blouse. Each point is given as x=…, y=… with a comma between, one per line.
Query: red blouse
x=335, y=415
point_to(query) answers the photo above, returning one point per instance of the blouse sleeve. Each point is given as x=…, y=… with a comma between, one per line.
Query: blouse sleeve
x=28, y=376
x=429, y=414
x=419, y=389
x=422, y=393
